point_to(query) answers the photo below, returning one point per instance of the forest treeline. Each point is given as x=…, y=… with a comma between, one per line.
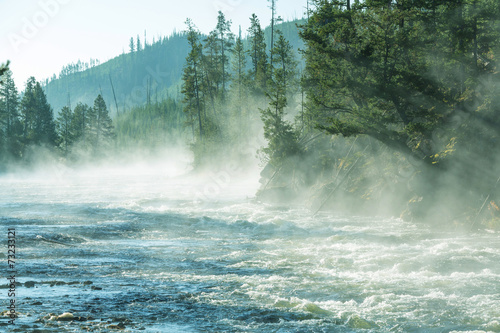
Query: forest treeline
x=81, y=133
x=389, y=107
x=27, y=124
x=147, y=68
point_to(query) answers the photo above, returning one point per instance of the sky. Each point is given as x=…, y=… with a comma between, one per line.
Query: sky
x=39, y=37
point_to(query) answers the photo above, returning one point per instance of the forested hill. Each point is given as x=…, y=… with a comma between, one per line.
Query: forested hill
x=153, y=72
x=154, y=68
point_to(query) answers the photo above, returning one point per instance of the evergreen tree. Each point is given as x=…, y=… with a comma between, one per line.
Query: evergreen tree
x=257, y=52
x=138, y=45
x=239, y=81
x=211, y=82
x=192, y=79
x=282, y=138
x=3, y=69
x=225, y=39
x=45, y=128
x=132, y=45
x=273, y=21
x=80, y=123
x=101, y=126
x=28, y=110
x=64, y=129
x=37, y=116
x=10, y=126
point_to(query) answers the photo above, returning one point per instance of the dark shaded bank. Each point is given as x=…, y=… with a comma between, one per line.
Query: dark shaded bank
x=364, y=177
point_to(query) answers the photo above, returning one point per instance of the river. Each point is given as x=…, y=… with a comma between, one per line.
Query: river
x=143, y=251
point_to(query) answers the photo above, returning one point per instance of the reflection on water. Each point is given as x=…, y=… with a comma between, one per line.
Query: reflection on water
x=139, y=254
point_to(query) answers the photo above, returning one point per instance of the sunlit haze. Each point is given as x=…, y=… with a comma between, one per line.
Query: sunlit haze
x=331, y=172
x=39, y=37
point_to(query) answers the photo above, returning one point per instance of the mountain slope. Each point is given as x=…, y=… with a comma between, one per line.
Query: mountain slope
x=154, y=72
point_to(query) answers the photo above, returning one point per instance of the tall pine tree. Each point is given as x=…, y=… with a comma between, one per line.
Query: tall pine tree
x=10, y=125
x=280, y=134
x=101, y=130
x=257, y=51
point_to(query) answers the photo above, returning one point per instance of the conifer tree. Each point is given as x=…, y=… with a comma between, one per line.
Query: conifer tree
x=225, y=39
x=80, y=123
x=210, y=65
x=132, y=45
x=192, y=79
x=37, y=116
x=10, y=126
x=45, y=127
x=272, y=6
x=138, y=45
x=101, y=126
x=64, y=129
x=3, y=69
x=257, y=52
x=282, y=138
x=239, y=81
x=28, y=110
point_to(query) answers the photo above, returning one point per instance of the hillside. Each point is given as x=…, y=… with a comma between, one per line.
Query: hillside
x=155, y=68
x=155, y=71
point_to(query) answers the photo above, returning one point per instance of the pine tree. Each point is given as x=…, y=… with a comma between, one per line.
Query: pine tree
x=257, y=51
x=132, y=45
x=101, y=126
x=37, y=116
x=3, y=69
x=225, y=39
x=211, y=82
x=80, y=123
x=28, y=111
x=282, y=138
x=192, y=79
x=45, y=128
x=273, y=21
x=138, y=45
x=10, y=125
x=238, y=85
x=64, y=129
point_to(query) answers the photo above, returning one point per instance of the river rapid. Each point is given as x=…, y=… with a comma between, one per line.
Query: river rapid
x=142, y=251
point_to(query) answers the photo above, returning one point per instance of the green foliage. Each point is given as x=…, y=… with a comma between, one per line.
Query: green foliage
x=101, y=130
x=192, y=81
x=10, y=124
x=80, y=123
x=64, y=128
x=85, y=132
x=3, y=69
x=158, y=69
x=37, y=116
x=258, y=73
x=150, y=126
x=281, y=136
x=396, y=73
x=418, y=76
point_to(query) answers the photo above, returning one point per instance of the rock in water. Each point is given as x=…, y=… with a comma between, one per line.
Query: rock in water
x=66, y=317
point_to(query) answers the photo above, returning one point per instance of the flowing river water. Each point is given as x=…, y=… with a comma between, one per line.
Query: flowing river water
x=144, y=252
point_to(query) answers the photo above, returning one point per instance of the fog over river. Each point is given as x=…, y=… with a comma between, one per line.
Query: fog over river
x=139, y=250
